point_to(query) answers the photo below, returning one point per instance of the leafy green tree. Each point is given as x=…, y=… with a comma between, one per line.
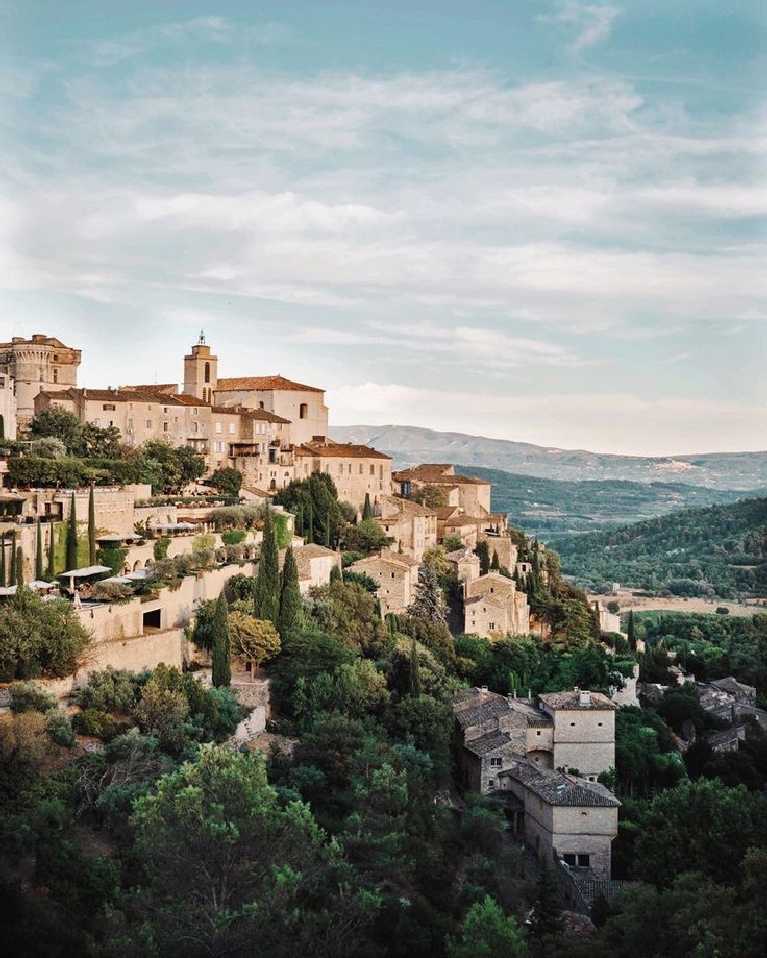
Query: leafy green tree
x=256, y=640
x=366, y=536
x=39, y=561
x=431, y=496
x=486, y=932
x=266, y=596
x=72, y=544
x=427, y=602
x=227, y=481
x=62, y=425
x=39, y=638
x=222, y=644
x=91, y=527
x=291, y=602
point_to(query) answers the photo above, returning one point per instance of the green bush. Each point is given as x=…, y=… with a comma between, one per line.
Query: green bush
x=29, y=697
x=233, y=537
x=227, y=481
x=95, y=722
x=58, y=726
x=112, y=690
x=160, y=548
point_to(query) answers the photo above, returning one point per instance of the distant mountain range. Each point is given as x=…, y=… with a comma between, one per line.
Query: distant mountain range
x=743, y=471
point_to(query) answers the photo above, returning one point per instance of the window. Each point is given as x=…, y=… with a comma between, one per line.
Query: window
x=149, y=408
x=569, y=860
x=303, y=411
x=109, y=407
x=165, y=427
x=218, y=427
x=392, y=575
x=491, y=783
x=538, y=733
x=261, y=404
x=217, y=447
x=130, y=406
x=372, y=470
x=496, y=762
x=149, y=424
x=362, y=468
x=207, y=372
x=491, y=626
x=97, y=421
x=194, y=427
x=572, y=724
x=130, y=424
x=584, y=861
x=194, y=411
x=599, y=724
x=231, y=428
x=55, y=375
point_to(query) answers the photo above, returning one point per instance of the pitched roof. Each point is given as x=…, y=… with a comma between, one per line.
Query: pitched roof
x=388, y=557
x=402, y=506
x=554, y=788
x=263, y=384
x=487, y=743
x=339, y=450
x=261, y=414
x=571, y=699
x=477, y=706
x=124, y=394
x=734, y=687
x=171, y=388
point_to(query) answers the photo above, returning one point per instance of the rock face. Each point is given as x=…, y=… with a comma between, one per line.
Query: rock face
x=254, y=695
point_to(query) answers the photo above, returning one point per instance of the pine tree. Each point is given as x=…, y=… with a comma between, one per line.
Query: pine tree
x=51, y=570
x=91, y=528
x=19, y=575
x=427, y=602
x=495, y=563
x=291, y=603
x=72, y=536
x=222, y=644
x=631, y=631
x=266, y=598
x=39, y=553
x=367, y=511
x=12, y=569
x=546, y=907
x=3, y=571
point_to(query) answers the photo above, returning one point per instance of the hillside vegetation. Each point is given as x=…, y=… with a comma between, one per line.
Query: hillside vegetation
x=718, y=551
x=553, y=507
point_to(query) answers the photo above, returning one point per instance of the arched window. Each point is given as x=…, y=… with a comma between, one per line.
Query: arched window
x=304, y=410
x=207, y=372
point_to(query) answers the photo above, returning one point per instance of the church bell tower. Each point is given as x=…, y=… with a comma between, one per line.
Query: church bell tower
x=200, y=371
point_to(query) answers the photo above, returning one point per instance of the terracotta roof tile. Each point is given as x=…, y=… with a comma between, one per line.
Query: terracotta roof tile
x=571, y=699
x=339, y=450
x=264, y=384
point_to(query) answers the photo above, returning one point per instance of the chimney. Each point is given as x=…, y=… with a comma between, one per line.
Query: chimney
x=585, y=698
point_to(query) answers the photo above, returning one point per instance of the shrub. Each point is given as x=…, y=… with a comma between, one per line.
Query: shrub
x=112, y=591
x=58, y=726
x=160, y=548
x=233, y=537
x=95, y=722
x=234, y=554
x=111, y=690
x=29, y=697
x=722, y=610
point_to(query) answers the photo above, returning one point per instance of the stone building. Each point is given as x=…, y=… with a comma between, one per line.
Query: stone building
x=42, y=362
x=470, y=494
x=466, y=564
x=397, y=578
x=357, y=471
x=7, y=407
x=411, y=527
x=304, y=406
x=315, y=564
x=584, y=730
x=494, y=607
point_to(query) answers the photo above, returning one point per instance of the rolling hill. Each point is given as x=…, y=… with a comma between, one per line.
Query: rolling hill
x=744, y=471
x=718, y=551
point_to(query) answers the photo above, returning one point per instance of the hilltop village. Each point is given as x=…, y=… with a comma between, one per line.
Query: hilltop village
x=204, y=564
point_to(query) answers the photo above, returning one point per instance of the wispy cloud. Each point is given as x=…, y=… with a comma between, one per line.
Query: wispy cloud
x=591, y=21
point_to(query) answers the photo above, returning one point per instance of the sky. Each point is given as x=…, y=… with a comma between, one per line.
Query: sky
x=537, y=220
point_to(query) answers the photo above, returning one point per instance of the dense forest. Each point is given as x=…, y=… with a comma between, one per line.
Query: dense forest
x=555, y=507
x=718, y=551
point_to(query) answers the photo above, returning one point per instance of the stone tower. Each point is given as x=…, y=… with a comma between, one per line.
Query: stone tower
x=42, y=363
x=200, y=371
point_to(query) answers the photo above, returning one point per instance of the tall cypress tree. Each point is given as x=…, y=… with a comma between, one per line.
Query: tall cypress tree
x=19, y=576
x=91, y=528
x=484, y=556
x=336, y=575
x=415, y=679
x=39, y=553
x=291, y=603
x=266, y=598
x=367, y=512
x=631, y=631
x=222, y=644
x=309, y=524
x=72, y=535
x=495, y=562
x=51, y=570
x=3, y=571
x=12, y=569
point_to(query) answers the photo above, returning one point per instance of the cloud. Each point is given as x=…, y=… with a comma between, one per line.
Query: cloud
x=592, y=21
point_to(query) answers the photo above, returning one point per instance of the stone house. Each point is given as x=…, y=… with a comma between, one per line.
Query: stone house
x=356, y=470
x=397, y=578
x=494, y=607
x=466, y=564
x=411, y=527
x=562, y=816
x=315, y=563
x=584, y=730
x=470, y=494
x=488, y=734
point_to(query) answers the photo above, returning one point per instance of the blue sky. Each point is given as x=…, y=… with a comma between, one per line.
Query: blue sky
x=540, y=220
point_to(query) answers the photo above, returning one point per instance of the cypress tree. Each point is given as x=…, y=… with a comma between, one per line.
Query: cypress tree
x=91, y=528
x=39, y=553
x=309, y=527
x=222, y=644
x=367, y=512
x=335, y=575
x=630, y=631
x=2, y=427
x=484, y=557
x=19, y=577
x=495, y=563
x=415, y=679
x=291, y=603
x=72, y=536
x=51, y=570
x=3, y=577
x=327, y=532
x=266, y=598
x=12, y=569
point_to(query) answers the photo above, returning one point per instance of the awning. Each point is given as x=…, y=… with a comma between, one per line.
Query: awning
x=114, y=537
x=84, y=572
x=173, y=527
